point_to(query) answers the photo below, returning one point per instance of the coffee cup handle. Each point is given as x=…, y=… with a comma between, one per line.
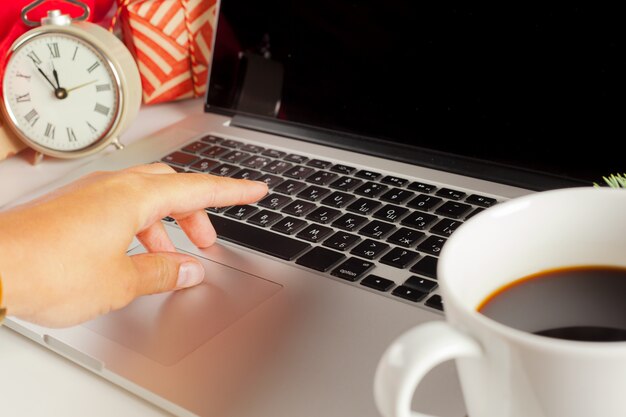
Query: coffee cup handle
x=410, y=357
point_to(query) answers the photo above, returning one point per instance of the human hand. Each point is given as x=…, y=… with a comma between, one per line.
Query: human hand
x=63, y=257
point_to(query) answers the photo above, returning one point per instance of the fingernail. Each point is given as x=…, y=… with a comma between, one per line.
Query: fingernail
x=189, y=274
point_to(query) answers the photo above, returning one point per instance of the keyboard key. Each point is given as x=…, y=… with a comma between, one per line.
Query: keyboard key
x=352, y=269
x=252, y=148
x=234, y=156
x=273, y=153
x=271, y=180
x=391, y=213
x=241, y=212
x=247, y=174
x=368, y=175
x=298, y=208
x=276, y=167
x=264, y=218
x=480, y=200
x=399, y=258
x=180, y=158
x=376, y=229
x=318, y=163
x=256, y=162
x=274, y=201
x=298, y=159
x=409, y=293
x=453, y=209
x=204, y=165
x=435, y=302
x=405, y=237
x=377, y=283
x=346, y=183
x=231, y=143
x=323, y=215
x=474, y=212
x=176, y=168
x=426, y=266
x=195, y=147
x=450, y=193
x=342, y=169
x=364, y=206
x=424, y=202
x=225, y=170
x=432, y=245
x=313, y=193
x=341, y=241
x=288, y=226
x=337, y=199
x=349, y=222
x=445, y=227
x=421, y=284
x=419, y=220
x=211, y=139
x=289, y=187
x=422, y=187
x=322, y=177
x=396, y=181
x=397, y=195
x=314, y=233
x=215, y=151
x=263, y=241
x=299, y=172
x=369, y=249
x=320, y=259
x=370, y=189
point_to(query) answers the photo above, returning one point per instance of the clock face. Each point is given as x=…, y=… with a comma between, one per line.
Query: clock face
x=60, y=92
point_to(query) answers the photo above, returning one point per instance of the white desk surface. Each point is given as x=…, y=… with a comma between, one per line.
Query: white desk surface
x=33, y=380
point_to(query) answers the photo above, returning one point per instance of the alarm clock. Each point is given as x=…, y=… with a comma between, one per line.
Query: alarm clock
x=70, y=88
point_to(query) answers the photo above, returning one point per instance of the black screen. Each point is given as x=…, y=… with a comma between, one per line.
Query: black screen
x=535, y=87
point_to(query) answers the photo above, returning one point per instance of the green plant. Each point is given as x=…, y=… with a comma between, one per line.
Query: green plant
x=614, y=181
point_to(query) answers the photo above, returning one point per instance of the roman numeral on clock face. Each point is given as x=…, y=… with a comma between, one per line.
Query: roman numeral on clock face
x=32, y=117
x=50, y=129
x=33, y=56
x=103, y=87
x=71, y=136
x=102, y=109
x=54, y=49
x=93, y=67
x=23, y=98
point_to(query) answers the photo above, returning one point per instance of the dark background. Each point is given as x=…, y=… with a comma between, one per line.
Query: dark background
x=536, y=87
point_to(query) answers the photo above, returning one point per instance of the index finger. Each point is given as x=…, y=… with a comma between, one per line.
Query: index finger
x=183, y=193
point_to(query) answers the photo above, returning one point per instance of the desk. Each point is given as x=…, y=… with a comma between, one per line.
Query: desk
x=33, y=380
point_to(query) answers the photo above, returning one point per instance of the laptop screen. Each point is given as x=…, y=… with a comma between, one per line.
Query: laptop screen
x=533, y=88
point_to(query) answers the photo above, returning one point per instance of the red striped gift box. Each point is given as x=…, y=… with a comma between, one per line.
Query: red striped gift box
x=171, y=42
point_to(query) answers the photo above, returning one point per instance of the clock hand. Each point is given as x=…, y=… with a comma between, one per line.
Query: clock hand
x=59, y=92
x=46, y=77
x=80, y=86
x=56, y=74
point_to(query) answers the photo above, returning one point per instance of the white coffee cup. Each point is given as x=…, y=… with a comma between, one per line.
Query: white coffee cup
x=505, y=372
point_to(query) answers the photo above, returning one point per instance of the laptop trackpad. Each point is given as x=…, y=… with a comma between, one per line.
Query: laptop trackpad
x=167, y=327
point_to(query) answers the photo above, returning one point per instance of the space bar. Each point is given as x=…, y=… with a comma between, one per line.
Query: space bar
x=260, y=240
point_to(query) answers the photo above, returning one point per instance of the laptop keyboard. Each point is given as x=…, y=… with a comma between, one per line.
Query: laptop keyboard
x=377, y=231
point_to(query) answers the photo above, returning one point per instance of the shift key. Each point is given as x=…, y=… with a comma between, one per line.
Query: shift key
x=264, y=241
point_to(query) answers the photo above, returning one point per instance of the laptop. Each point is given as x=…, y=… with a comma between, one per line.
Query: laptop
x=380, y=129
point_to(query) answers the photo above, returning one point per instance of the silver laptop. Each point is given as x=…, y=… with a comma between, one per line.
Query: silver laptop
x=380, y=128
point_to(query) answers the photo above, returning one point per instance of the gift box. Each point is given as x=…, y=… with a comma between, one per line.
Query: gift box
x=171, y=41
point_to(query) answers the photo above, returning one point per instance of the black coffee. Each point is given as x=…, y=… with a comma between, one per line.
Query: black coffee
x=581, y=303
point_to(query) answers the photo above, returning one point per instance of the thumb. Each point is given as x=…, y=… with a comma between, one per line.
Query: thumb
x=165, y=271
